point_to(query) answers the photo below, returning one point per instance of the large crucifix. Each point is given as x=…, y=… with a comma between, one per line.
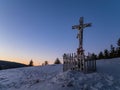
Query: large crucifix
x=80, y=28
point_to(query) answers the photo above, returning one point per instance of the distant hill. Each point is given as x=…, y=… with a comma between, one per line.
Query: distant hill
x=9, y=64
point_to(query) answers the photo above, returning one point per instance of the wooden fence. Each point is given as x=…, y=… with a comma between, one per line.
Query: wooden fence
x=80, y=63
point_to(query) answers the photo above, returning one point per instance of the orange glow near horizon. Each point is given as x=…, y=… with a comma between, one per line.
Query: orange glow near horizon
x=24, y=61
x=14, y=60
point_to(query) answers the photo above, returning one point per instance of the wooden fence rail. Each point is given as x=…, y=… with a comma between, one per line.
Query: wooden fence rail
x=80, y=63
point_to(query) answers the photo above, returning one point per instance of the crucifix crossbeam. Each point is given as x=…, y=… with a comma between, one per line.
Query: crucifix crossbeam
x=80, y=27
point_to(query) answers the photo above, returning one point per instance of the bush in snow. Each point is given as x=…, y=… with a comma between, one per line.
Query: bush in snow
x=31, y=63
x=57, y=61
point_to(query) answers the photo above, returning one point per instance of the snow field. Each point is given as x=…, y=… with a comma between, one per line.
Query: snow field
x=51, y=77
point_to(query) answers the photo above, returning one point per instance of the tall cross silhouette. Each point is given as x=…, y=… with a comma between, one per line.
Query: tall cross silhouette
x=80, y=28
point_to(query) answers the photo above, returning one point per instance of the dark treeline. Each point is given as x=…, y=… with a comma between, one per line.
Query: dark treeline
x=113, y=52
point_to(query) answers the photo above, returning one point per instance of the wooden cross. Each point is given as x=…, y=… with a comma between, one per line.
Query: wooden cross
x=80, y=27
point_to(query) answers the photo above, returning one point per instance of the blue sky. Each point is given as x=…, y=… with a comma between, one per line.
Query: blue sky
x=41, y=29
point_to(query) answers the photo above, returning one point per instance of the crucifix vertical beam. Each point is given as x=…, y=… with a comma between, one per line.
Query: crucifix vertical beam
x=80, y=28
x=81, y=33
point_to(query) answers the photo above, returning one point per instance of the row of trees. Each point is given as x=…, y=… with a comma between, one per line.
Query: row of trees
x=106, y=54
x=57, y=61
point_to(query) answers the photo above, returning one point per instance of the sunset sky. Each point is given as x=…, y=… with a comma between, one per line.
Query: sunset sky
x=42, y=29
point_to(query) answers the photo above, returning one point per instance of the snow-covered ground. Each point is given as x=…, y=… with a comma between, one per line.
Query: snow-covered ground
x=51, y=77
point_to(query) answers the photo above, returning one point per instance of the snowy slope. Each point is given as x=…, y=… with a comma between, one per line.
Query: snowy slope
x=51, y=77
x=109, y=66
x=15, y=79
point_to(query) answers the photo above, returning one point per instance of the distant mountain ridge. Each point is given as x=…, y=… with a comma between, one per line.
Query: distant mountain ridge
x=8, y=65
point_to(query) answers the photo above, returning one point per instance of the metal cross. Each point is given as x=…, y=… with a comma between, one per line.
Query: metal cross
x=80, y=27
